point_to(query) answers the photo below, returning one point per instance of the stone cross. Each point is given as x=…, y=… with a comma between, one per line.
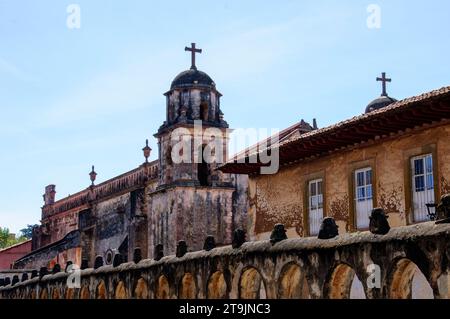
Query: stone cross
x=193, y=50
x=384, y=79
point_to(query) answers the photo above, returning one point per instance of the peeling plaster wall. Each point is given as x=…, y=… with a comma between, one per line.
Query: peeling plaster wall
x=60, y=252
x=443, y=145
x=111, y=227
x=280, y=198
x=60, y=225
x=187, y=170
x=240, y=201
x=190, y=214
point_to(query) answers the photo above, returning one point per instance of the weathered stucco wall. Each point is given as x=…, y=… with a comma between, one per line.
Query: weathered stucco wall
x=112, y=224
x=294, y=268
x=240, y=201
x=59, y=252
x=179, y=161
x=281, y=197
x=190, y=214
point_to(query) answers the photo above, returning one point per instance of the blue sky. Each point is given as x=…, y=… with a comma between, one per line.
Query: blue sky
x=70, y=98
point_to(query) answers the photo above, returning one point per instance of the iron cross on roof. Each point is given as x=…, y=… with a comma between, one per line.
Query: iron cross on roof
x=193, y=50
x=384, y=79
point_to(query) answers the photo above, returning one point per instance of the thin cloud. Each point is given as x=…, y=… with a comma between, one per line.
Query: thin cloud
x=10, y=69
x=257, y=50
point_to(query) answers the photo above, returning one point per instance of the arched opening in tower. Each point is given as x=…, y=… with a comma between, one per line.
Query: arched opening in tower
x=204, y=111
x=203, y=169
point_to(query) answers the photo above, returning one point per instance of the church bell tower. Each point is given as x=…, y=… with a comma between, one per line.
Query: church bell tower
x=192, y=199
x=193, y=116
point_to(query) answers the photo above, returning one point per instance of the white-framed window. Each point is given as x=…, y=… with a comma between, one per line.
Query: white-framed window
x=315, y=207
x=363, y=197
x=422, y=185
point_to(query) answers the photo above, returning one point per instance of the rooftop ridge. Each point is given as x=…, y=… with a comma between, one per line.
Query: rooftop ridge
x=121, y=182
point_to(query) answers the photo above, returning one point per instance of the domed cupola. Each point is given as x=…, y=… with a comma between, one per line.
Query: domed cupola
x=190, y=78
x=192, y=97
x=382, y=101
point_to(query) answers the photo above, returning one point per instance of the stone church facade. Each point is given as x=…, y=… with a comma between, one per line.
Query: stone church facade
x=158, y=203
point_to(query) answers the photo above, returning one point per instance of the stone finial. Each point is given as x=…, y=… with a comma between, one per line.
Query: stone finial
x=56, y=269
x=34, y=273
x=98, y=262
x=328, y=229
x=92, y=175
x=43, y=271
x=15, y=280
x=379, y=222
x=210, y=243
x=117, y=260
x=443, y=210
x=146, y=150
x=7, y=281
x=238, y=238
x=159, y=252
x=182, y=249
x=278, y=234
x=24, y=277
x=49, y=196
x=84, y=264
x=137, y=255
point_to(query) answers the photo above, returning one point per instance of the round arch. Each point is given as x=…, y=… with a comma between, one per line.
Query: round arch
x=84, y=293
x=43, y=294
x=251, y=285
x=55, y=293
x=162, y=288
x=188, y=288
x=141, y=289
x=344, y=284
x=70, y=293
x=407, y=281
x=217, y=286
x=292, y=283
x=101, y=290
x=121, y=291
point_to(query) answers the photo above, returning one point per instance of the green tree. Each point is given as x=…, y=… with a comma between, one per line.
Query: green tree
x=7, y=239
x=28, y=231
x=4, y=237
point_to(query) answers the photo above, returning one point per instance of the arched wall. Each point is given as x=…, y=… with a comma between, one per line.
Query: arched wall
x=292, y=283
x=188, y=287
x=407, y=281
x=293, y=268
x=251, y=284
x=217, y=286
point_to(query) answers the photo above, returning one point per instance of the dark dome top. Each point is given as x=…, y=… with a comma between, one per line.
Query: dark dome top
x=379, y=103
x=192, y=77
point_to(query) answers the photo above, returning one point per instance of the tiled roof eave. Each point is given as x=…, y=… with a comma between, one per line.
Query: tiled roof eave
x=332, y=132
